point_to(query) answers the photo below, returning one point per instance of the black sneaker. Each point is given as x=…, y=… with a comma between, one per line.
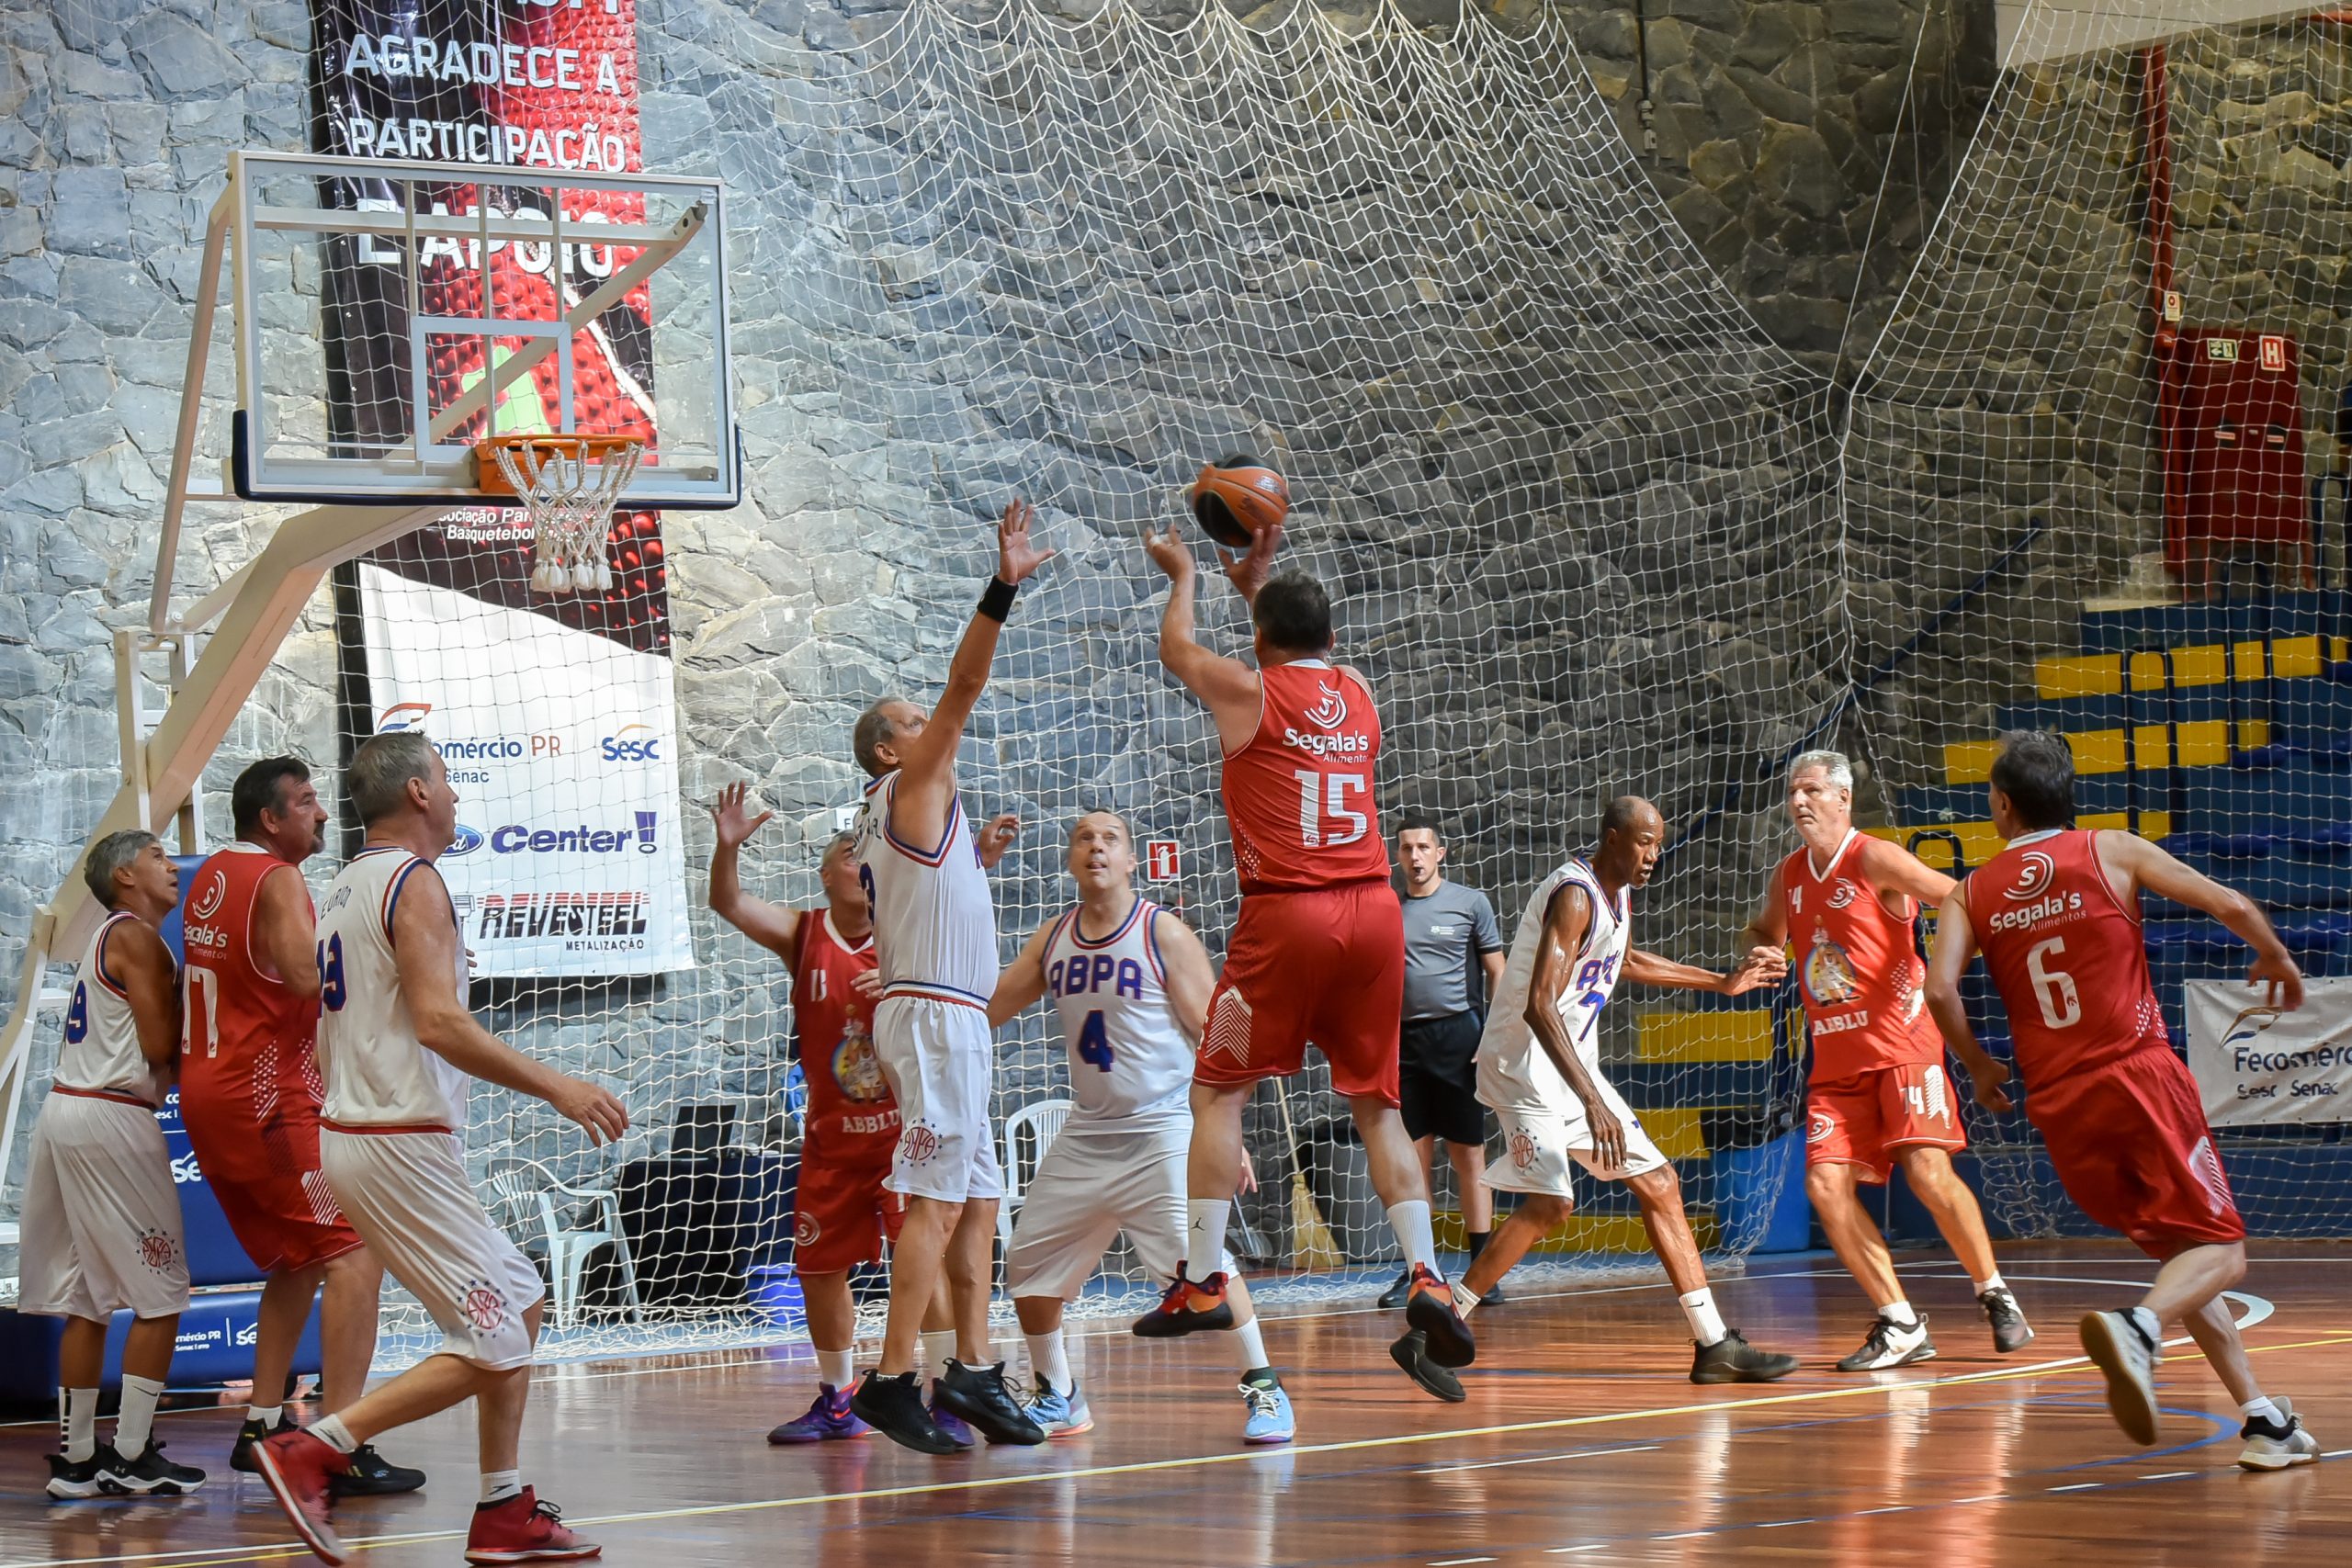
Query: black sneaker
x=373, y=1475
x=1429, y=1306
x=893, y=1407
x=1413, y=1353
x=251, y=1435
x=72, y=1481
x=981, y=1396
x=1890, y=1343
x=153, y=1476
x=1734, y=1360
x=2010, y=1330
x=1394, y=1296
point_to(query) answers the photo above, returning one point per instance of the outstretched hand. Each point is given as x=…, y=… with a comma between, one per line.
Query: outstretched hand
x=1018, y=556
x=1249, y=570
x=1169, y=550
x=2285, y=982
x=733, y=818
x=1762, y=966
x=996, y=838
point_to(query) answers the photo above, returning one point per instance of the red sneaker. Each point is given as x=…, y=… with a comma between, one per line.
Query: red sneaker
x=298, y=1468
x=521, y=1528
x=1190, y=1306
x=1429, y=1306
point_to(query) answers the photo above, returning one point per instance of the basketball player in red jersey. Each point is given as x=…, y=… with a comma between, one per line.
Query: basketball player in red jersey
x=2057, y=917
x=250, y=1092
x=843, y=1214
x=1878, y=1095
x=1319, y=950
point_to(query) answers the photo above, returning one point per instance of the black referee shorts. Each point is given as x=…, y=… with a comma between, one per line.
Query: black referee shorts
x=1437, y=1079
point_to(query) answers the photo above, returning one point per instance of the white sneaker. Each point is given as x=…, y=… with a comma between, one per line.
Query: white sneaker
x=2118, y=1347
x=2277, y=1446
x=1891, y=1344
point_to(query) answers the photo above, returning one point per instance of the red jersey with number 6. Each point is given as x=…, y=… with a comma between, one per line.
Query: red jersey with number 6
x=2066, y=955
x=849, y=1101
x=1298, y=793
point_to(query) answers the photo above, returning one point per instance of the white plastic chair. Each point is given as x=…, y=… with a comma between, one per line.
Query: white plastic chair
x=529, y=1190
x=1042, y=1123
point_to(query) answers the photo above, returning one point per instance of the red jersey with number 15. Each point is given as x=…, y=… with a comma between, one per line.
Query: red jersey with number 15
x=1856, y=966
x=1298, y=793
x=849, y=1100
x=2066, y=955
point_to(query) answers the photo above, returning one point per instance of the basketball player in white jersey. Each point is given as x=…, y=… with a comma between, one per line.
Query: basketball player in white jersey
x=1539, y=1071
x=1131, y=983
x=101, y=1218
x=398, y=1045
x=934, y=940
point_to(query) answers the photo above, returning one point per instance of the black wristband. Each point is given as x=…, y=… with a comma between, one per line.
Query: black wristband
x=996, y=599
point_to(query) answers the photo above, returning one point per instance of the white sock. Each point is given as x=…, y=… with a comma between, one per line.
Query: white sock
x=1049, y=1359
x=1249, y=1346
x=1204, y=1221
x=136, y=1423
x=1415, y=1233
x=836, y=1369
x=2262, y=1409
x=334, y=1434
x=267, y=1414
x=1992, y=1282
x=2150, y=1325
x=77, y=1414
x=497, y=1485
x=1466, y=1300
x=938, y=1349
x=1900, y=1313
x=1706, y=1322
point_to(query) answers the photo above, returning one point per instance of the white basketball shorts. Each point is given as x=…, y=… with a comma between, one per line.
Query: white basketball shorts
x=100, y=1224
x=941, y=1061
x=1538, y=1146
x=1088, y=1189
x=407, y=1195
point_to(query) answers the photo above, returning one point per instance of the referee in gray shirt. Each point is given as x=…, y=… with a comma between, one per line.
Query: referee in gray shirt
x=1453, y=961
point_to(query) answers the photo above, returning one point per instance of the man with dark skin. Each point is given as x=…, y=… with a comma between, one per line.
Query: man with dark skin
x=1539, y=1071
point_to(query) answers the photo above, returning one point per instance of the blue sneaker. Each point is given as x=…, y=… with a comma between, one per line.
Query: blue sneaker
x=1062, y=1415
x=1270, y=1419
x=829, y=1420
x=947, y=1421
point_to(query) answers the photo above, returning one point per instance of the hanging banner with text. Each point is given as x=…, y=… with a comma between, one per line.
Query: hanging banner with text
x=577, y=869
x=2257, y=1066
x=568, y=857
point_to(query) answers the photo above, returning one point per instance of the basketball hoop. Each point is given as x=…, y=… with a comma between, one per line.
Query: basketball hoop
x=570, y=486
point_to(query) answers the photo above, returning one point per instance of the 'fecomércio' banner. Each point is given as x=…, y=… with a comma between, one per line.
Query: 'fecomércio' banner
x=2257, y=1066
x=569, y=859
x=578, y=869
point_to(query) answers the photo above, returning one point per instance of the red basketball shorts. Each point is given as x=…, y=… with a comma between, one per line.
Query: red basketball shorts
x=843, y=1214
x=1864, y=1118
x=2131, y=1147
x=1326, y=966
x=264, y=1172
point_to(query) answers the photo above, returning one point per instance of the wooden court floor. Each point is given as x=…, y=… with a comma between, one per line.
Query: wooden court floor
x=1581, y=1441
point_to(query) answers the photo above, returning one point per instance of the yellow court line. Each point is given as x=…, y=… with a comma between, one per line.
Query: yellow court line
x=1142, y=1467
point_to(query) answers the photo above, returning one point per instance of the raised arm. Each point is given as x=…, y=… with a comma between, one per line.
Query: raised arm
x=1762, y=966
x=772, y=927
x=1947, y=959
x=424, y=948
x=927, y=758
x=1024, y=980
x=285, y=931
x=150, y=983
x=1228, y=686
x=1190, y=980
x=1564, y=924
x=2150, y=866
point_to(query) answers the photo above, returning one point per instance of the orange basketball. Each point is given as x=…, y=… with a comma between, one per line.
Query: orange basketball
x=1237, y=498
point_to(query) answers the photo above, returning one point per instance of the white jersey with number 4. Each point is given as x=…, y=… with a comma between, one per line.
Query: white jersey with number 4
x=379, y=1076
x=935, y=924
x=100, y=1051
x=1130, y=1066
x=1514, y=1070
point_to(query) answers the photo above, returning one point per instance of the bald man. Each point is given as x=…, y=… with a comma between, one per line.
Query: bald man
x=1539, y=1071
